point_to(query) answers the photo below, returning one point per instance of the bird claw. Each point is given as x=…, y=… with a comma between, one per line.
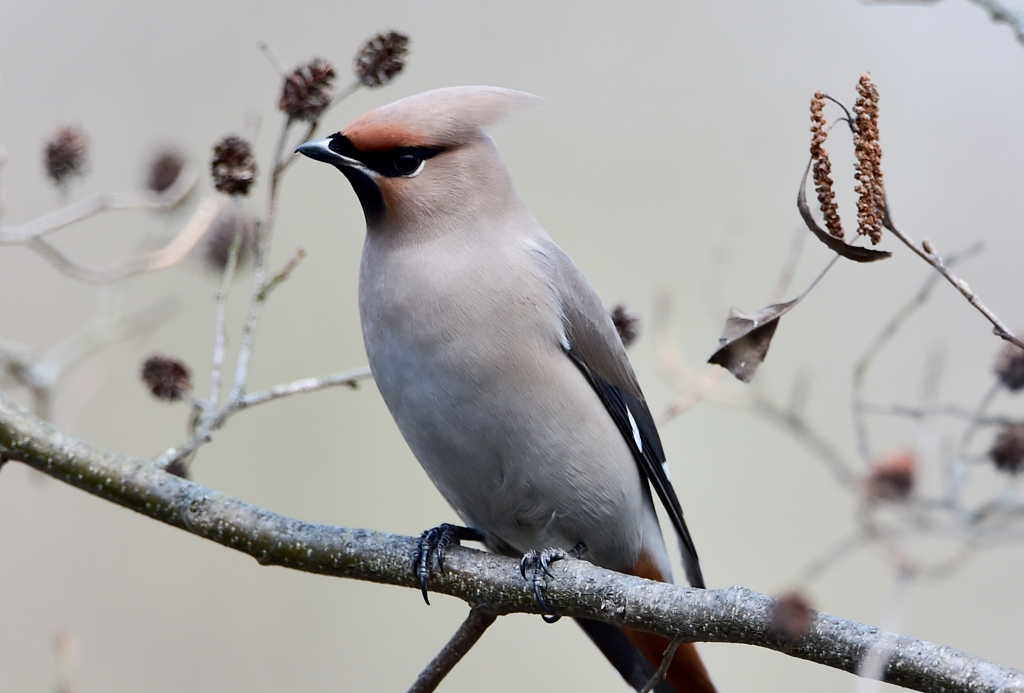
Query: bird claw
x=539, y=565
x=431, y=548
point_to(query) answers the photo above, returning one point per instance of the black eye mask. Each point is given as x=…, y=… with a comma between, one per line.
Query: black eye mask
x=393, y=163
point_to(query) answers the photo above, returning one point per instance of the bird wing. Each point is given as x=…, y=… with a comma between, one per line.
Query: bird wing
x=593, y=344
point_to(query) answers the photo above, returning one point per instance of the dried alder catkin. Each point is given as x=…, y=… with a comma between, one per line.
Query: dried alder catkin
x=821, y=167
x=627, y=323
x=233, y=167
x=168, y=379
x=868, y=153
x=381, y=58
x=65, y=154
x=307, y=90
x=1007, y=452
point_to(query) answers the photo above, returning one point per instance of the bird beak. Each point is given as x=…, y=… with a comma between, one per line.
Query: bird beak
x=321, y=151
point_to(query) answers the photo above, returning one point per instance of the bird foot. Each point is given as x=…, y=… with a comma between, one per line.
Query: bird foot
x=431, y=547
x=538, y=564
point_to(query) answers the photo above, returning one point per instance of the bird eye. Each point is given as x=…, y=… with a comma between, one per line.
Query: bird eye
x=408, y=164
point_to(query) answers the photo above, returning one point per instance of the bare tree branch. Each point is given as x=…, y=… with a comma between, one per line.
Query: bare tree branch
x=350, y=378
x=925, y=411
x=479, y=620
x=666, y=662
x=219, y=319
x=175, y=250
x=997, y=12
x=210, y=415
x=264, y=237
x=101, y=202
x=205, y=429
x=39, y=372
x=580, y=589
x=860, y=369
x=928, y=253
x=272, y=58
x=286, y=271
x=818, y=444
x=1001, y=14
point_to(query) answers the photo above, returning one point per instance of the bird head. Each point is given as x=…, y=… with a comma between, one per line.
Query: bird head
x=425, y=157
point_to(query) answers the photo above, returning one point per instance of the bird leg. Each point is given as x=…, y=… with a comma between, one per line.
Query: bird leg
x=539, y=565
x=431, y=547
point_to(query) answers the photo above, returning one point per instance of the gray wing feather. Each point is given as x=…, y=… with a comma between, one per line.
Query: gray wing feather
x=594, y=346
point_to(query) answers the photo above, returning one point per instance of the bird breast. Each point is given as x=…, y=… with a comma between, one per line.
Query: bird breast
x=467, y=352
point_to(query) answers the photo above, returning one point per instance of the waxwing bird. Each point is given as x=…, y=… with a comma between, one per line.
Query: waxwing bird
x=499, y=362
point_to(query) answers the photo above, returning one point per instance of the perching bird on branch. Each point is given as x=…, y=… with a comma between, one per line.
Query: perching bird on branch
x=500, y=363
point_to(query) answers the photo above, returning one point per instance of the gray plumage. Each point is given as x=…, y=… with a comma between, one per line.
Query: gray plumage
x=494, y=354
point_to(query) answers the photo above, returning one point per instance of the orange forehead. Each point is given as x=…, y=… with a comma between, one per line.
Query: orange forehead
x=382, y=136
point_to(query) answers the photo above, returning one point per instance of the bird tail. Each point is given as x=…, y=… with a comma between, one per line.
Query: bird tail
x=637, y=655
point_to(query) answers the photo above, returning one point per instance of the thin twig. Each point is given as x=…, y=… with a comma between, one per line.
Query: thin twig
x=261, y=290
x=817, y=443
x=479, y=620
x=1001, y=14
x=219, y=327
x=170, y=254
x=350, y=378
x=700, y=389
x=272, y=58
x=928, y=438
x=928, y=253
x=956, y=469
x=997, y=12
x=891, y=529
x=979, y=413
x=290, y=157
x=666, y=662
x=98, y=203
x=39, y=373
x=215, y=420
x=931, y=410
x=264, y=236
x=873, y=666
x=890, y=329
x=343, y=94
x=237, y=400
x=828, y=558
x=285, y=272
x=789, y=266
x=995, y=515
x=849, y=119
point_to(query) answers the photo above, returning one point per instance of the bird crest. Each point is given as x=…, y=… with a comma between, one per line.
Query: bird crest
x=440, y=118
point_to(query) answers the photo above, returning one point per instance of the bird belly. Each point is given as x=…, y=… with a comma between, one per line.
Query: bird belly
x=533, y=482
x=516, y=440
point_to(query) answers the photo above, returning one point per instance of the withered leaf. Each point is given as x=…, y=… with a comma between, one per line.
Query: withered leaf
x=850, y=252
x=745, y=340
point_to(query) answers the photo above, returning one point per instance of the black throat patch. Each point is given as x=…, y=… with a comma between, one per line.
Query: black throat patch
x=385, y=163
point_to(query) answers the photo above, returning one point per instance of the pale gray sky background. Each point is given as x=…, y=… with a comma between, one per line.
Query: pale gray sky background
x=670, y=130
